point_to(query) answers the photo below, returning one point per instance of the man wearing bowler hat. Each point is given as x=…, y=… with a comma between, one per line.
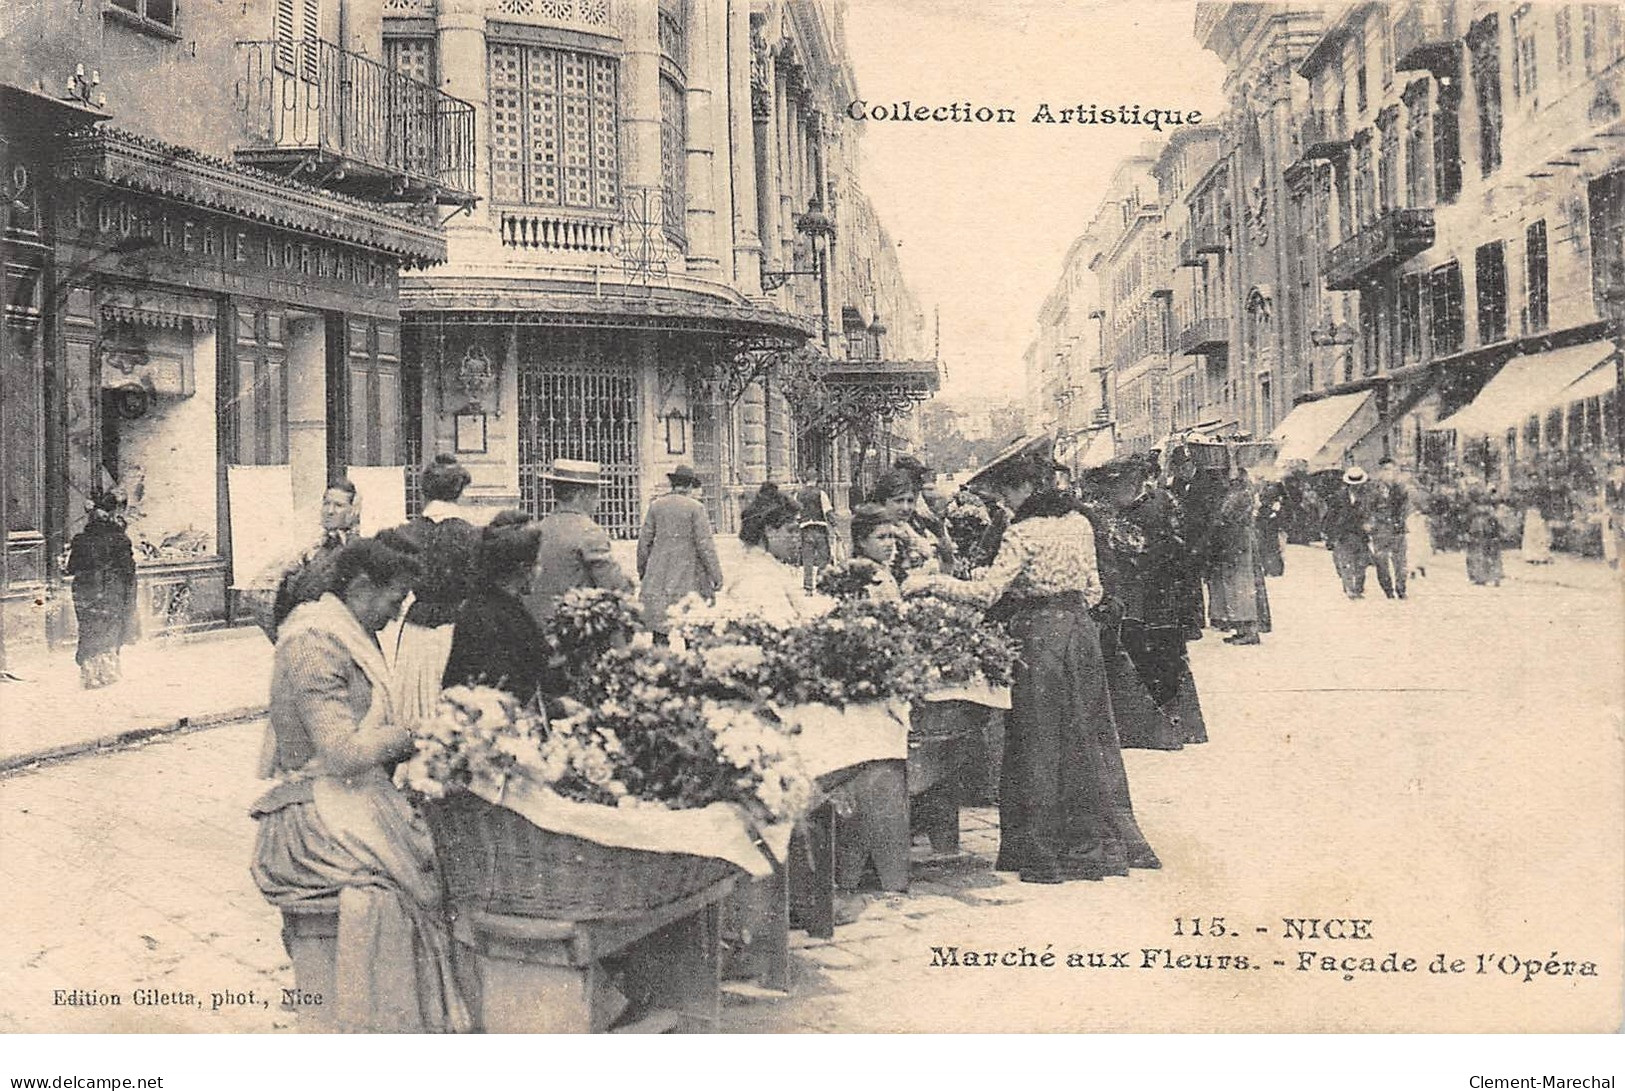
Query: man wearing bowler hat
x=676, y=554
x=574, y=550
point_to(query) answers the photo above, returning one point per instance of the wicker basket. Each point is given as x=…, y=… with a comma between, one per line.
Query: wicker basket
x=496, y=861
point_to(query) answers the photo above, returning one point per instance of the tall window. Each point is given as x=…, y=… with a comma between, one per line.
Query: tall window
x=1417, y=189
x=673, y=156
x=414, y=57
x=1535, y=276
x=1563, y=33
x=1410, y=316
x=296, y=25
x=1524, y=77
x=1607, y=200
x=1364, y=182
x=1388, y=164
x=1447, y=319
x=1447, y=145
x=1489, y=266
x=554, y=131
x=1484, y=41
x=1359, y=72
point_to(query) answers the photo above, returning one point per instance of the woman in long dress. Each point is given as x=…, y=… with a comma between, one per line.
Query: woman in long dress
x=1483, y=540
x=101, y=561
x=1064, y=806
x=447, y=545
x=334, y=826
x=1236, y=600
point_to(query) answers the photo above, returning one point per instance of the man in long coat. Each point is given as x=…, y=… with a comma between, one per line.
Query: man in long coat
x=676, y=554
x=574, y=551
x=1348, y=531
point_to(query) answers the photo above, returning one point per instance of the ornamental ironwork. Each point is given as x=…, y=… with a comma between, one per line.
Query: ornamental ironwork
x=643, y=244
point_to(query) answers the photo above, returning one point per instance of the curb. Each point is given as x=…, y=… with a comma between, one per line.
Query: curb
x=123, y=740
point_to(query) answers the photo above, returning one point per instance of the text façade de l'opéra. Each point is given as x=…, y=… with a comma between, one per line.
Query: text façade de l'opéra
x=1154, y=118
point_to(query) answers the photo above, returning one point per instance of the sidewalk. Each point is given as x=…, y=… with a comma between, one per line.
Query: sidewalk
x=1581, y=573
x=169, y=684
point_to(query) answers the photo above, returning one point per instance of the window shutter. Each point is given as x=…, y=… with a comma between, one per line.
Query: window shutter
x=311, y=32
x=282, y=33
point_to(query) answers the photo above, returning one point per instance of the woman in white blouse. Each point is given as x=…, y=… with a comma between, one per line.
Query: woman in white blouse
x=1064, y=807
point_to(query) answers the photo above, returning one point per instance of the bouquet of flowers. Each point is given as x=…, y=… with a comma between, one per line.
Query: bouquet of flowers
x=588, y=622
x=958, y=645
x=967, y=519
x=850, y=579
x=477, y=731
x=677, y=751
x=862, y=651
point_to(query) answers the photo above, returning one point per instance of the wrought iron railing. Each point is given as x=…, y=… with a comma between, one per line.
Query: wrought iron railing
x=1423, y=31
x=1322, y=134
x=312, y=96
x=1396, y=235
x=1200, y=336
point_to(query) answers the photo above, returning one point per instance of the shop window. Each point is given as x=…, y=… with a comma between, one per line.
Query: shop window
x=257, y=420
x=373, y=395
x=21, y=413
x=1531, y=433
x=554, y=128
x=1489, y=268
x=1535, y=276
x=673, y=157
x=1447, y=319
x=158, y=438
x=1484, y=42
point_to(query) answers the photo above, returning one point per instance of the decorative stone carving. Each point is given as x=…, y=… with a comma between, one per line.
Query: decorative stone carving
x=477, y=374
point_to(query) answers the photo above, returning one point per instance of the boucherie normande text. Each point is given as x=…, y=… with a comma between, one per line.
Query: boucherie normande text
x=1154, y=118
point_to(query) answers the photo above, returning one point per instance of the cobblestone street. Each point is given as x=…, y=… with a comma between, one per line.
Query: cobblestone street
x=1443, y=766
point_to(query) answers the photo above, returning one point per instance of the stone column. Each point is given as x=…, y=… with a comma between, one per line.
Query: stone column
x=460, y=45
x=640, y=96
x=740, y=55
x=766, y=143
x=704, y=66
x=753, y=437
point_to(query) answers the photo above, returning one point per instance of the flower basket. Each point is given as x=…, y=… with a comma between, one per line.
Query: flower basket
x=495, y=860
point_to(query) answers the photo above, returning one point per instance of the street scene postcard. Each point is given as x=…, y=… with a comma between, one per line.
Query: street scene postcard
x=812, y=516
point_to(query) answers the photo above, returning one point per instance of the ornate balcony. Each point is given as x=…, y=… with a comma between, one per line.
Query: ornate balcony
x=1201, y=238
x=1394, y=237
x=1424, y=37
x=1323, y=135
x=1203, y=336
x=346, y=122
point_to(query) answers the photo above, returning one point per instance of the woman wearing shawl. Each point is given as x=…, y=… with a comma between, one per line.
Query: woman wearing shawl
x=496, y=641
x=335, y=825
x=1064, y=806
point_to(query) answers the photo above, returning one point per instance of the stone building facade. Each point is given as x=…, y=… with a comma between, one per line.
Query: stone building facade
x=209, y=210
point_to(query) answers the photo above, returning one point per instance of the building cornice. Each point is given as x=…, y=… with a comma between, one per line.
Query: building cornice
x=120, y=158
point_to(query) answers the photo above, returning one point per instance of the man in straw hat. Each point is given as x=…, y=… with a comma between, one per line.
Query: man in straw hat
x=1348, y=531
x=573, y=550
x=677, y=556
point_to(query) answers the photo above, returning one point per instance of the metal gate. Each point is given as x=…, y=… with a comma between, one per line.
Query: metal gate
x=579, y=399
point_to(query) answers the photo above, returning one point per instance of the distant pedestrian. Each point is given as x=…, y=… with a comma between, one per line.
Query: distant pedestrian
x=447, y=545
x=1233, y=579
x=1483, y=539
x=816, y=545
x=1270, y=523
x=1390, y=510
x=677, y=555
x=1348, y=531
x=101, y=561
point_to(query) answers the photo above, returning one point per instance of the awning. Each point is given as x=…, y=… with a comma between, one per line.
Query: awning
x=1320, y=432
x=1097, y=449
x=1598, y=383
x=1529, y=385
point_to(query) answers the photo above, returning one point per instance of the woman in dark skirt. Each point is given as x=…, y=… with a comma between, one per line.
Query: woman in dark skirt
x=1064, y=807
x=102, y=564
